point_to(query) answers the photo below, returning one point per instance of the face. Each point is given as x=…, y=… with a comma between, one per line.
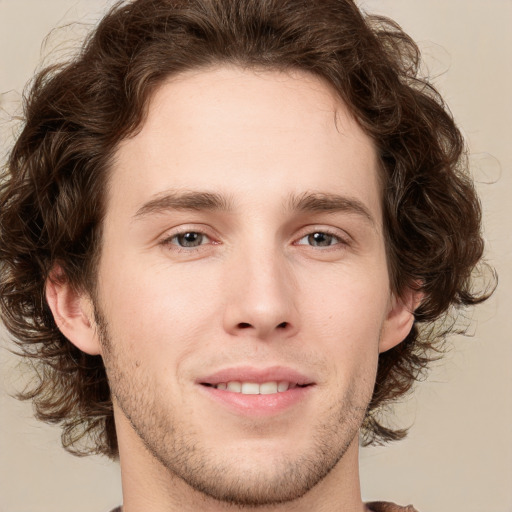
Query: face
x=243, y=290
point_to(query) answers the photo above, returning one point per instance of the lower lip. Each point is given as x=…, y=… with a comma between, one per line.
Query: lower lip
x=258, y=405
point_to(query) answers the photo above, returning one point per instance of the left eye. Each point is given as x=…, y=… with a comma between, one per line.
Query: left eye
x=189, y=239
x=319, y=239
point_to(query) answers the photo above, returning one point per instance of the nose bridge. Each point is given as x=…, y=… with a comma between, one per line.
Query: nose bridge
x=262, y=298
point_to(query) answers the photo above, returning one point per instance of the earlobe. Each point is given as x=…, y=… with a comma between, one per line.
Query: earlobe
x=72, y=312
x=400, y=319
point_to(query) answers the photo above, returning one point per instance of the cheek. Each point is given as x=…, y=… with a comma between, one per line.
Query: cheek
x=158, y=304
x=344, y=313
x=347, y=299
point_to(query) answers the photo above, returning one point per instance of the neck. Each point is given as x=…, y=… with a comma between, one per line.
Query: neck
x=149, y=486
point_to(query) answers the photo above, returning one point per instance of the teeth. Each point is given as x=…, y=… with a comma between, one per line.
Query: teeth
x=250, y=388
x=268, y=388
x=283, y=386
x=236, y=387
x=253, y=388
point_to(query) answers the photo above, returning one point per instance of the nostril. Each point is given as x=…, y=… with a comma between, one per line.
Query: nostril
x=282, y=325
x=244, y=325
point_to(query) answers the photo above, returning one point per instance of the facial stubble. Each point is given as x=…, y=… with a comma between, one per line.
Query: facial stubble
x=179, y=449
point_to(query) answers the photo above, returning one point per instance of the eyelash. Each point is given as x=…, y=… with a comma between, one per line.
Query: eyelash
x=170, y=240
x=339, y=242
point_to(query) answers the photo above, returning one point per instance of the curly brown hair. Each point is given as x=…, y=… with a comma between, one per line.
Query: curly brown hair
x=52, y=195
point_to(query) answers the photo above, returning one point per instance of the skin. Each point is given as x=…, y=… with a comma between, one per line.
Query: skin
x=259, y=289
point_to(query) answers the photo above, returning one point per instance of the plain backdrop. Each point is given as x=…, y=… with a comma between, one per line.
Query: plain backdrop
x=458, y=456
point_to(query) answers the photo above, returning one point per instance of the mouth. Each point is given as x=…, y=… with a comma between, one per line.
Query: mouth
x=255, y=388
x=257, y=392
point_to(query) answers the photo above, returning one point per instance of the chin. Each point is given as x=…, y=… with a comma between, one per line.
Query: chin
x=284, y=482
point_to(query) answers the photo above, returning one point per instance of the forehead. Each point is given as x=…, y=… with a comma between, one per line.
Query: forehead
x=246, y=133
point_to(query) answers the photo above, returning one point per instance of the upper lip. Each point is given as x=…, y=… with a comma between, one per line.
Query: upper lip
x=258, y=375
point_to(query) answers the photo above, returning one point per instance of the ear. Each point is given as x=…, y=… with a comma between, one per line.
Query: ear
x=400, y=318
x=73, y=312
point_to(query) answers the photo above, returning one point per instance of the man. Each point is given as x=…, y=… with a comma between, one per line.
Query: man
x=227, y=230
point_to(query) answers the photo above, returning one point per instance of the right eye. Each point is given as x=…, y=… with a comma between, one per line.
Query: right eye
x=188, y=239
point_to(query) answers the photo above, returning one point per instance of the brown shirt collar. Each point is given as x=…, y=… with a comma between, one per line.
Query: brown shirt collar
x=384, y=506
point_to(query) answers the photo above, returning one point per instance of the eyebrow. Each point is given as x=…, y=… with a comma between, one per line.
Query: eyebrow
x=329, y=203
x=211, y=201
x=183, y=200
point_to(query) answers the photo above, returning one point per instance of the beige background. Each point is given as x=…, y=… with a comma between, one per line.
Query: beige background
x=458, y=456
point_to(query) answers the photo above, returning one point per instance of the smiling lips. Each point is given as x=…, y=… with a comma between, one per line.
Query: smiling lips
x=244, y=379
x=257, y=392
x=254, y=388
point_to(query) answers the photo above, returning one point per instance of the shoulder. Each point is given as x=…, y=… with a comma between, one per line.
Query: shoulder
x=384, y=506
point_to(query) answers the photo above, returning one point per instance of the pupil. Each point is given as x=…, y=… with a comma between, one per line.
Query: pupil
x=320, y=239
x=190, y=239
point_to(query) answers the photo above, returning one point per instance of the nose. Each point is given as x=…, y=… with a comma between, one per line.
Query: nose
x=262, y=297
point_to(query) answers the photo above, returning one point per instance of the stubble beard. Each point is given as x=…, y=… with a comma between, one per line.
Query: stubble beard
x=179, y=449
